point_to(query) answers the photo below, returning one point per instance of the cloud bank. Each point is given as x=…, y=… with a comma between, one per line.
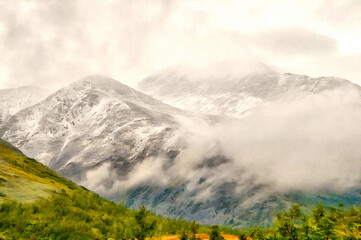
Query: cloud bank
x=306, y=144
x=55, y=42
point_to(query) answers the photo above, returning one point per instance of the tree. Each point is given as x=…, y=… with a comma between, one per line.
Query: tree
x=215, y=235
x=242, y=236
x=144, y=227
x=306, y=228
x=183, y=236
x=339, y=211
x=194, y=229
x=327, y=227
x=285, y=226
x=295, y=212
x=256, y=233
x=319, y=212
x=353, y=211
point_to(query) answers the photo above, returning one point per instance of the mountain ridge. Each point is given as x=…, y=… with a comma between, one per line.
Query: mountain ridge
x=233, y=96
x=122, y=143
x=83, y=125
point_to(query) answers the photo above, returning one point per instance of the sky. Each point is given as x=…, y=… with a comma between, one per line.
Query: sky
x=53, y=43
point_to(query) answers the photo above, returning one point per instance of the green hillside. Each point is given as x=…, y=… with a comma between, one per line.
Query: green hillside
x=36, y=202
x=26, y=180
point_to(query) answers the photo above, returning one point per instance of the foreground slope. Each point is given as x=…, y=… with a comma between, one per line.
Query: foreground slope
x=26, y=180
x=37, y=203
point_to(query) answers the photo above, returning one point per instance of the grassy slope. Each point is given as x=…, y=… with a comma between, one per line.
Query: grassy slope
x=26, y=180
x=36, y=202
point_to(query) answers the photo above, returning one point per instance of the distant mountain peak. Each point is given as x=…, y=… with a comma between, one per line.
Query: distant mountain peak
x=97, y=80
x=104, y=84
x=232, y=92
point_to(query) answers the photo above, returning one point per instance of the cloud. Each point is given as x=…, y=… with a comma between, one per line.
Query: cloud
x=301, y=144
x=54, y=43
x=96, y=177
x=296, y=41
x=340, y=12
x=143, y=174
x=308, y=144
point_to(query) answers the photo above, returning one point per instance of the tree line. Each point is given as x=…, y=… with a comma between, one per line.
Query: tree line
x=85, y=215
x=336, y=223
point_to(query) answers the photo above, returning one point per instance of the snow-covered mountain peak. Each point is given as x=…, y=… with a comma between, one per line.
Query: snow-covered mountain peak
x=97, y=81
x=96, y=117
x=102, y=84
x=234, y=94
x=314, y=84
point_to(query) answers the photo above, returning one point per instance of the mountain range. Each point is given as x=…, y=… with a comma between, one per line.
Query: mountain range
x=233, y=95
x=197, y=152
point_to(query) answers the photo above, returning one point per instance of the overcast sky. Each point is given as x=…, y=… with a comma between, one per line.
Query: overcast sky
x=52, y=43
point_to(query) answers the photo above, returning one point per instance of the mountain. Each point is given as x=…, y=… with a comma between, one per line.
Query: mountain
x=288, y=138
x=113, y=139
x=93, y=120
x=126, y=145
x=96, y=130
x=235, y=94
x=15, y=99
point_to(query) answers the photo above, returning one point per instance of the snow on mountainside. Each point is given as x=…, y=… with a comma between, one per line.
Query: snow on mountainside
x=113, y=139
x=122, y=143
x=232, y=95
x=15, y=99
x=95, y=119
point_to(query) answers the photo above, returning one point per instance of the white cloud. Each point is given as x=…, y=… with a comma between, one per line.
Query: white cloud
x=308, y=144
x=56, y=42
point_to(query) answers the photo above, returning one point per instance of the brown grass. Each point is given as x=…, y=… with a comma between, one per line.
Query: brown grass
x=201, y=236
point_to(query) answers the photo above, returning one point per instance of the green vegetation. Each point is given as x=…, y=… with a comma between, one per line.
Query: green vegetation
x=322, y=224
x=194, y=227
x=183, y=236
x=81, y=215
x=143, y=228
x=25, y=180
x=215, y=234
x=37, y=203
